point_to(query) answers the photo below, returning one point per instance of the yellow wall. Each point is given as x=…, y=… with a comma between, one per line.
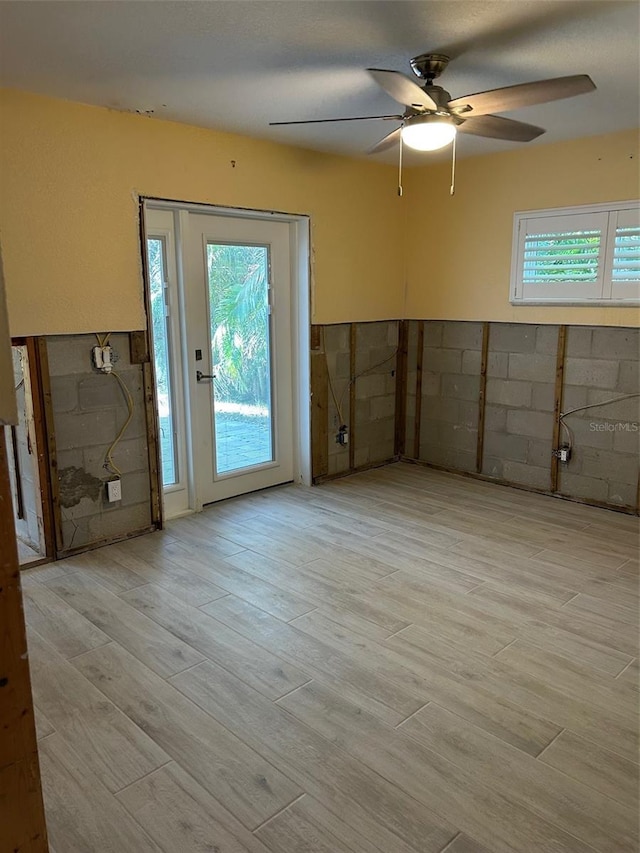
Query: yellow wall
x=459, y=249
x=70, y=176
x=69, y=179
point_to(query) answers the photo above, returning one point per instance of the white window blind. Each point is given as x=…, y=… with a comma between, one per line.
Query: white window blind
x=577, y=255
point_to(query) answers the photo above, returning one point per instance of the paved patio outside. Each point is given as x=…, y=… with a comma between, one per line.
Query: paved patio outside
x=241, y=441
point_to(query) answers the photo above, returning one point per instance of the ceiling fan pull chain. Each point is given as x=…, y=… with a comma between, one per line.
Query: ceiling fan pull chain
x=400, y=164
x=452, y=190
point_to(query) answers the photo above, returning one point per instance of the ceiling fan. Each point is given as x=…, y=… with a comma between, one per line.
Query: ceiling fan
x=431, y=118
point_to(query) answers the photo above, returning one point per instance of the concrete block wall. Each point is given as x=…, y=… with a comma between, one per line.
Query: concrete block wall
x=451, y=362
x=413, y=338
x=372, y=422
x=520, y=399
x=89, y=408
x=601, y=365
x=375, y=414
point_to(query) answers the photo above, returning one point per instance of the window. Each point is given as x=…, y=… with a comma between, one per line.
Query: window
x=581, y=255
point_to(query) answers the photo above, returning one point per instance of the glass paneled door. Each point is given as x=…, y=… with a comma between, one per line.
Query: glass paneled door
x=237, y=294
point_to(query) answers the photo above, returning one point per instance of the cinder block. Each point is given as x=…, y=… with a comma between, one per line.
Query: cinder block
x=509, y=393
x=383, y=407
x=462, y=335
x=69, y=354
x=449, y=457
x=527, y=475
x=498, y=364
x=433, y=330
x=512, y=337
x=624, y=410
x=493, y=467
x=539, y=453
x=370, y=385
x=342, y=365
x=499, y=445
x=118, y=522
x=442, y=360
x=100, y=392
x=471, y=362
x=621, y=494
x=459, y=436
x=591, y=433
x=578, y=343
x=431, y=384
x=76, y=533
x=361, y=456
x=363, y=411
x=573, y=397
x=442, y=409
x=135, y=488
x=608, y=465
x=627, y=441
x=336, y=337
x=547, y=340
x=534, y=424
x=592, y=372
x=629, y=377
x=460, y=387
x=543, y=398
x=615, y=343
x=130, y=455
x=495, y=418
x=83, y=430
x=577, y=486
x=535, y=367
x=375, y=359
x=64, y=393
x=428, y=434
x=372, y=335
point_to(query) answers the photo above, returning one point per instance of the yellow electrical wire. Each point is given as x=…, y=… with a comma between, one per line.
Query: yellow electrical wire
x=108, y=459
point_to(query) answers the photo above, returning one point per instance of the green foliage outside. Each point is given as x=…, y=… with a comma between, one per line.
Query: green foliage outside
x=238, y=290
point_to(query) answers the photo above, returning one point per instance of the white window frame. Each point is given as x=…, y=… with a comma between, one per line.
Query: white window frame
x=604, y=291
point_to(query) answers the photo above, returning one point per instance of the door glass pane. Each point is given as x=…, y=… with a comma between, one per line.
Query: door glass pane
x=161, y=344
x=240, y=347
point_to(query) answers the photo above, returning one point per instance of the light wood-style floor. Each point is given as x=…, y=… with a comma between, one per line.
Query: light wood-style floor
x=402, y=661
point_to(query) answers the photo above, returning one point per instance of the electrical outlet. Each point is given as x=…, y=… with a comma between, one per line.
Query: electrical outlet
x=114, y=490
x=342, y=436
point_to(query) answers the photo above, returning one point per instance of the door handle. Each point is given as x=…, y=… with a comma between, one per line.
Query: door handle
x=200, y=376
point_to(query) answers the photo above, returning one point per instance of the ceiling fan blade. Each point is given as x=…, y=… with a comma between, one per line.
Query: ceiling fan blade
x=524, y=95
x=322, y=120
x=402, y=89
x=386, y=142
x=498, y=127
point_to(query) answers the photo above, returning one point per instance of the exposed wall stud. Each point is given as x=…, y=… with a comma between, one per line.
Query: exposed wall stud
x=36, y=375
x=419, y=357
x=557, y=406
x=153, y=445
x=352, y=394
x=482, y=394
x=319, y=412
x=401, y=388
x=52, y=475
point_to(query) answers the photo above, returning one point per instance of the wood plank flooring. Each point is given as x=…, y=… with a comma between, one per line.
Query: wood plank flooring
x=402, y=661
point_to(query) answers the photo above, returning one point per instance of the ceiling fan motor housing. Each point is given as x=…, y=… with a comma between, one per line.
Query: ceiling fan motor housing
x=428, y=66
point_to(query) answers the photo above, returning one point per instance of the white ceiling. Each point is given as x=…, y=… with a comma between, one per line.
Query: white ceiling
x=238, y=64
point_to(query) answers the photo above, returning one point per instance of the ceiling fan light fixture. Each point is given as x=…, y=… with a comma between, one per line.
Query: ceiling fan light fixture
x=428, y=132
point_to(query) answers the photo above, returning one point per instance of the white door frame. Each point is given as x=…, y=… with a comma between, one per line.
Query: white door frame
x=300, y=241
